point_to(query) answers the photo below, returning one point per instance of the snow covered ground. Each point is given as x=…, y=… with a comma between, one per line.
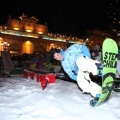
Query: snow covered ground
x=24, y=99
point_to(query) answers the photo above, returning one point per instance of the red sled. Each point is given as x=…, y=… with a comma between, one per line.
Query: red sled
x=37, y=76
x=26, y=73
x=31, y=75
x=47, y=79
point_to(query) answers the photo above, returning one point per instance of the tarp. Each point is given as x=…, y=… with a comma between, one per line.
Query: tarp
x=8, y=67
x=7, y=62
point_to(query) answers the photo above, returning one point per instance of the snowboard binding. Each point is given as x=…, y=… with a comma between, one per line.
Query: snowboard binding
x=94, y=101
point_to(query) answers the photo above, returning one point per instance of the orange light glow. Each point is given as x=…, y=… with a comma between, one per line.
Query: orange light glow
x=16, y=28
x=28, y=30
x=40, y=32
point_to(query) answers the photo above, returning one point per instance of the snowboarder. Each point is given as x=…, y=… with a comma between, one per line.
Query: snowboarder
x=77, y=63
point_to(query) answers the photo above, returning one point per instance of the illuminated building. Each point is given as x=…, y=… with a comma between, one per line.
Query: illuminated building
x=27, y=36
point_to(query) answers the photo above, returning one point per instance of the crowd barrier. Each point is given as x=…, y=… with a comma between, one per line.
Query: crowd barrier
x=40, y=76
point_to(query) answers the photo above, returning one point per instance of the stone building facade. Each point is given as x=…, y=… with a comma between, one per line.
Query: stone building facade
x=25, y=36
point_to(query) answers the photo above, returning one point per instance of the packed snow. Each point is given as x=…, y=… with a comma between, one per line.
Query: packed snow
x=23, y=99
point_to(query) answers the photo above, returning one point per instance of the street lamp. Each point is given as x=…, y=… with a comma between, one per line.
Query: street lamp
x=5, y=45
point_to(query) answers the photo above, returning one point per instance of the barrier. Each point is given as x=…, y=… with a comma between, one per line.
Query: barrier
x=40, y=76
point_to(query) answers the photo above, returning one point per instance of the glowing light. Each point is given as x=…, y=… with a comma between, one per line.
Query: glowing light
x=16, y=28
x=40, y=32
x=28, y=30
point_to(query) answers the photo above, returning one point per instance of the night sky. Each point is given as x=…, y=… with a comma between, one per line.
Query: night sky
x=63, y=16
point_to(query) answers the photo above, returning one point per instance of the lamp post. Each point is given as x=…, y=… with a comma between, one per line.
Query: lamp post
x=5, y=45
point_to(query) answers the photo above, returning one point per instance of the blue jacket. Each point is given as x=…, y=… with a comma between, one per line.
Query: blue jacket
x=70, y=55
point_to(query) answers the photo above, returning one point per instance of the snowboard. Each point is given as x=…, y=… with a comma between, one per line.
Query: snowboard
x=109, y=62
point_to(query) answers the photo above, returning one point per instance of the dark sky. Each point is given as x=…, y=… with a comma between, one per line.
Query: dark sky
x=70, y=17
